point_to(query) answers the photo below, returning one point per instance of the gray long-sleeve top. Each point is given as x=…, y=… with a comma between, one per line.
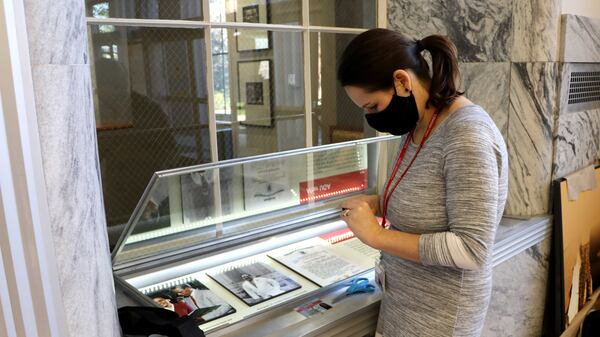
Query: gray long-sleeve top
x=454, y=196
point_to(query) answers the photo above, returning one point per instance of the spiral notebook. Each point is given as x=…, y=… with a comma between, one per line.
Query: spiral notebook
x=254, y=282
x=187, y=296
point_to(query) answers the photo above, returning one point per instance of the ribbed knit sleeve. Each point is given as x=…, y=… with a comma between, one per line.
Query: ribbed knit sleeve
x=472, y=164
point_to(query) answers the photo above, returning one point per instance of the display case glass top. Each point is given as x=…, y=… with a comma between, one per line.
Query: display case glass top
x=201, y=205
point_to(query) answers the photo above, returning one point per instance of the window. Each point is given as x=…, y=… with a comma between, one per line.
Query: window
x=180, y=83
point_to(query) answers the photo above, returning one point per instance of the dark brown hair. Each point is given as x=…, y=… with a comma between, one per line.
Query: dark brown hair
x=371, y=58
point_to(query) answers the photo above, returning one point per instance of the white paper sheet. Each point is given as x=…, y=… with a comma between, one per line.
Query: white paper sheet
x=319, y=263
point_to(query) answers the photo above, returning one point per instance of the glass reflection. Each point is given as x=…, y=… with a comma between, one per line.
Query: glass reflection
x=347, y=13
x=335, y=117
x=145, y=9
x=259, y=89
x=151, y=110
x=287, y=12
x=205, y=203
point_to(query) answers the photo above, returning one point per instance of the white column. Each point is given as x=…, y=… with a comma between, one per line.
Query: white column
x=30, y=296
x=55, y=262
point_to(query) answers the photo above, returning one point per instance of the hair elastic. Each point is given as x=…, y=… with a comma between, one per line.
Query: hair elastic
x=419, y=45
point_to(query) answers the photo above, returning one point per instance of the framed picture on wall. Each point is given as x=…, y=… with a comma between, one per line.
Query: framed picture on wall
x=254, y=93
x=252, y=11
x=250, y=14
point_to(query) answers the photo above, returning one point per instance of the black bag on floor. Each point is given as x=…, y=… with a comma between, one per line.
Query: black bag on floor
x=146, y=321
x=591, y=325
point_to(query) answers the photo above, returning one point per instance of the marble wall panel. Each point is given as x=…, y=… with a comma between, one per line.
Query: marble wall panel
x=69, y=155
x=535, y=30
x=580, y=39
x=577, y=142
x=519, y=294
x=480, y=29
x=563, y=87
x=530, y=134
x=57, y=31
x=487, y=84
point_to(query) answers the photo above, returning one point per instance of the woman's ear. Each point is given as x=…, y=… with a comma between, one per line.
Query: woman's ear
x=402, y=83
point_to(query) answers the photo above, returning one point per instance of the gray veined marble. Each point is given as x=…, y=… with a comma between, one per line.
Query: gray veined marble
x=68, y=144
x=530, y=133
x=518, y=294
x=577, y=134
x=577, y=142
x=563, y=87
x=536, y=27
x=480, y=29
x=487, y=85
x=581, y=39
x=56, y=31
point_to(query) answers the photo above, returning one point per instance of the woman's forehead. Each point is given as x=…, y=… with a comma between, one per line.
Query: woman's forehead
x=360, y=96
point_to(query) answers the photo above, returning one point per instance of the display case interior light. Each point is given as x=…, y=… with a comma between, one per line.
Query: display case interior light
x=233, y=255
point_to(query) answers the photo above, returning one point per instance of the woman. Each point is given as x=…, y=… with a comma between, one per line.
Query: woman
x=446, y=194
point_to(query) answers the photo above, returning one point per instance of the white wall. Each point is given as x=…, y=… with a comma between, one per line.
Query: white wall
x=589, y=8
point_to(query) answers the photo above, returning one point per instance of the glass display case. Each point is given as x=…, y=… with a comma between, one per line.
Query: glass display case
x=255, y=243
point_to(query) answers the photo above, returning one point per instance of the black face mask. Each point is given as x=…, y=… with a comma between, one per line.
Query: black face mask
x=398, y=118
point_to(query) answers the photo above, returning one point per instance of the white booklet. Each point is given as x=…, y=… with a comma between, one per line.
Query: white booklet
x=318, y=262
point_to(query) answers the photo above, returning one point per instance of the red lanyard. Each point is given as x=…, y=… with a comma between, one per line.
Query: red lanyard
x=386, y=196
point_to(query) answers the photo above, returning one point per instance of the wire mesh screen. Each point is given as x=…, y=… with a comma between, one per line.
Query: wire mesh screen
x=256, y=11
x=145, y=9
x=259, y=82
x=151, y=109
x=343, y=13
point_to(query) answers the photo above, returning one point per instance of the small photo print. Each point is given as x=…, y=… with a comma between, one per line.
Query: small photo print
x=189, y=297
x=255, y=283
x=254, y=93
x=250, y=14
x=313, y=308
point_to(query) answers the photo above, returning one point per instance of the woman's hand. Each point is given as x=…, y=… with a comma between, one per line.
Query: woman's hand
x=371, y=199
x=360, y=218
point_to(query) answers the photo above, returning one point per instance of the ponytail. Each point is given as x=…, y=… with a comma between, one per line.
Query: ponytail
x=371, y=58
x=445, y=75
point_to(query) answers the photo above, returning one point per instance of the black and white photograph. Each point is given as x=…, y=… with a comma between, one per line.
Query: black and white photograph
x=255, y=283
x=190, y=297
x=250, y=14
x=197, y=196
x=254, y=93
x=156, y=212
